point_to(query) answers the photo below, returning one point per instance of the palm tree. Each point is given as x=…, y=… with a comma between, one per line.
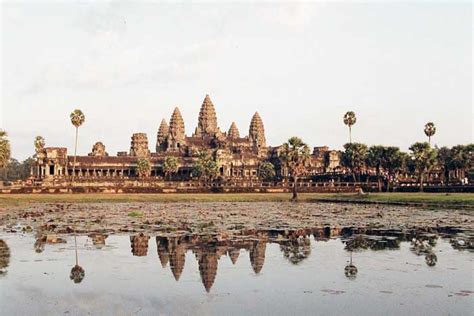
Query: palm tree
x=354, y=158
x=294, y=155
x=392, y=162
x=461, y=159
x=424, y=158
x=77, y=119
x=266, y=171
x=205, y=166
x=4, y=149
x=170, y=166
x=375, y=157
x=445, y=162
x=350, y=119
x=430, y=130
x=143, y=167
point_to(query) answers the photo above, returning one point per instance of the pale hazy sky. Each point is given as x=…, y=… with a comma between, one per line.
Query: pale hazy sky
x=300, y=65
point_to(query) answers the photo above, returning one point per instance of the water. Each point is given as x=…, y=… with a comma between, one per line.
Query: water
x=261, y=274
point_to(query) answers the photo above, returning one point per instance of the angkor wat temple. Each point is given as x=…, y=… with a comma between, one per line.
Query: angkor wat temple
x=237, y=157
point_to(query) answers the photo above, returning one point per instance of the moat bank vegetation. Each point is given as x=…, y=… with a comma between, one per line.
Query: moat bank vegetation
x=464, y=200
x=389, y=168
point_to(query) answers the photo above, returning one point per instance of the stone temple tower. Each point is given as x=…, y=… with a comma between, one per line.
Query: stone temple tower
x=233, y=131
x=139, y=145
x=207, y=121
x=162, y=136
x=257, y=132
x=176, y=134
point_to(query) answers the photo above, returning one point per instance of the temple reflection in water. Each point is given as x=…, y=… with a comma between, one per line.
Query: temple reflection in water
x=295, y=247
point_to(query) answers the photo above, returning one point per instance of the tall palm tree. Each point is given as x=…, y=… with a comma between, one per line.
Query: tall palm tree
x=4, y=149
x=77, y=119
x=424, y=159
x=170, y=166
x=461, y=159
x=266, y=171
x=430, y=130
x=205, y=166
x=354, y=157
x=294, y=155
x=143, y=167
x=375, y=157
x=444, y=160
x=392, y=162
x=350, y=119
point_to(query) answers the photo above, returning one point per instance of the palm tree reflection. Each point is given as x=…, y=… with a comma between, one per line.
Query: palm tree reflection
x=431, y=259
x=350, y=270
x=4, y=257
x=40, y=243
x=77, y=272
x=98, y=240
x=296, y=249
x=423, y=245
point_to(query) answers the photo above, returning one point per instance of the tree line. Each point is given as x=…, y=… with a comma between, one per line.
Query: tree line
x=388, y=162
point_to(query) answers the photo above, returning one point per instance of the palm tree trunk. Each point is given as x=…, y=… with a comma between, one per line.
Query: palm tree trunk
x=295, y=190
x=446, y=179
x=75, y=153
x=75, y=246
x=350, y=135
x=389, y=179
x=421, y=182
x=379, y=181
x=429, y=140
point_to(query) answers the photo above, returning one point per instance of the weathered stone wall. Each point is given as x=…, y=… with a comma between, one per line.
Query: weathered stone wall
x=131, y=186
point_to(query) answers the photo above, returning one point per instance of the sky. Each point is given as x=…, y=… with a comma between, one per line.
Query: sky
x=397, y=65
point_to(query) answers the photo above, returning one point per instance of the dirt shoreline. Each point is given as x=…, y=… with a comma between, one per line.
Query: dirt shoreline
x=452, y=200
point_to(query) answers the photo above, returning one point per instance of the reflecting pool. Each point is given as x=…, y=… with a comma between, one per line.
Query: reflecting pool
x=316, y=271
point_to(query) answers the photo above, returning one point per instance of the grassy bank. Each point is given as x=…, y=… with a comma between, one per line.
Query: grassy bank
x=428, y=199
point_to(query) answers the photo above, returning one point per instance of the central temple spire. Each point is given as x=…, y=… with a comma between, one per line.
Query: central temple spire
x=257, y=131
x=207, y=121
x=176, y=130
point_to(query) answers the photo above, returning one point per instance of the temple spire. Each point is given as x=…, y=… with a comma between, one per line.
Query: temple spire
x=207, y=121
x=233, y=131
x=257, y=131
x=208, y=268
x=162, y=135
x=176, y=133
x=257, y=255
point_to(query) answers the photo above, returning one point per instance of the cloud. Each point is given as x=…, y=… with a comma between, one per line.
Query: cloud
x=110, y=60
x=294, y=15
